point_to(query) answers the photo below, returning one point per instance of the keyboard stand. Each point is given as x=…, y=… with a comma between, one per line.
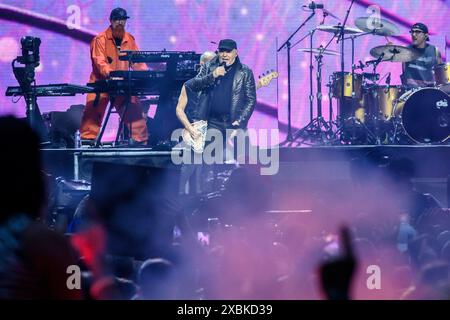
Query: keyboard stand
x=104, y=122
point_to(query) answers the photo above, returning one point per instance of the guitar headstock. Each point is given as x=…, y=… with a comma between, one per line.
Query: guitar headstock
x=265, y=79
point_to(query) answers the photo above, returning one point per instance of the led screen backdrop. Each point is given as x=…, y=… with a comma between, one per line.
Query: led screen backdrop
x=258, y=26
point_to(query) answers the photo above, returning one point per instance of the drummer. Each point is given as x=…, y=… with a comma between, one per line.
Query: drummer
x=419, y=72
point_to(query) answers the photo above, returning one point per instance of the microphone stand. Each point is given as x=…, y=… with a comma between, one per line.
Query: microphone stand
x=341, y=38
x=314, y=127
x=311, y=67
x=287, y=44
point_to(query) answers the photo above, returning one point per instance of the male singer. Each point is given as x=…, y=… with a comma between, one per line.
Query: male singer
x=228, y=92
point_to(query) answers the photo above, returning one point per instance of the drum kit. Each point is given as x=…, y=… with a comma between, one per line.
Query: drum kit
x=370, y=113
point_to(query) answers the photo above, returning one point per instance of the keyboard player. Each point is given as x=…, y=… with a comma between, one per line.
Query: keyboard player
x=104, y=51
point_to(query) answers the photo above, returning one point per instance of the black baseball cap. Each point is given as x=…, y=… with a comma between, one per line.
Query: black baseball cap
x=420, y=26
x=118, y=14
x=227, y=44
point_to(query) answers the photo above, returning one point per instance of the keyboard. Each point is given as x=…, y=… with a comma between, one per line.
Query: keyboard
x=51, y=90
x=137, y=74
x=158, y=56
x=135, y=87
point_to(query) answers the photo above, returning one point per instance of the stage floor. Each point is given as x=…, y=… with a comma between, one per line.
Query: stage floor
x=298, y=168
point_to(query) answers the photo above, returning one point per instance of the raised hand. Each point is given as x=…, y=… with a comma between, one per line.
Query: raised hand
x=336, y=275
x=219, y=72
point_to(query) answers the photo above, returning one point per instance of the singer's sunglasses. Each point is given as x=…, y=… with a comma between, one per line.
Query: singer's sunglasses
x=416, y=31
x=225, y=50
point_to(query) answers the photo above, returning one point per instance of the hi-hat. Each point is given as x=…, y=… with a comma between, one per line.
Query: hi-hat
x=337, y=29
x=322, y=51
x=377, y=26
x=394, y=53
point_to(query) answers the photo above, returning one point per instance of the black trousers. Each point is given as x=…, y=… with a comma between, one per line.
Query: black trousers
x=200, y=177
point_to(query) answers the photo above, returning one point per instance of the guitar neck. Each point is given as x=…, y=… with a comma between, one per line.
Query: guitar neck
x=265, y=81
x=259, y=86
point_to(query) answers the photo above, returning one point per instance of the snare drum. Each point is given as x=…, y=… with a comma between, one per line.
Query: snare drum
x=346, y=81
x=424, y=114
x=442, y=76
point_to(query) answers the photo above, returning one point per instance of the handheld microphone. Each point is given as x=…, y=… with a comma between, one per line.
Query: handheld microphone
x=313, y=6
x=222, y=64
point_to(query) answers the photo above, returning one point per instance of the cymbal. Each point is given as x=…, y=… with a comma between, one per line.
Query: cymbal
x=335, y=29
x=378, y=26
x=317, y=51
x=394, y=53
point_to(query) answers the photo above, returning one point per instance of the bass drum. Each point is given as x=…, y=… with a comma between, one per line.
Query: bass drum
x=425, y=115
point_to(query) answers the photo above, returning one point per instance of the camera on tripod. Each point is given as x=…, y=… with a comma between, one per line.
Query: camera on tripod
x=30, y=51
x=25, y=75
x=30, y=58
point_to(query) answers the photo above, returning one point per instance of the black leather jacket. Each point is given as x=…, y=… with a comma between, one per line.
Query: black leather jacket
x=244, y=92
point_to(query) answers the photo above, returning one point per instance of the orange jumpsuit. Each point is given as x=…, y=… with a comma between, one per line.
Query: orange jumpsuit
x=105, y=58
